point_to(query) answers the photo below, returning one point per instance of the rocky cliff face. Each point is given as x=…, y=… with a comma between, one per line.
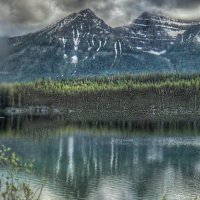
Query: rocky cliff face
x=84, y=45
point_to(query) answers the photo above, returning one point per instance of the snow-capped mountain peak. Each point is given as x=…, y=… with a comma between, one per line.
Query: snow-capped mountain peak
x=155, y=31
x=82, y=43
x=87, y=13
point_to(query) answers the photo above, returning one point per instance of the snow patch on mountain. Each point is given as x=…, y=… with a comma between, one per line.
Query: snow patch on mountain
x=65, y=56
x=74, y=59
x=63, y=40
x=76, y=39
x=156, y=52
x=99, y=45
x=198, y=38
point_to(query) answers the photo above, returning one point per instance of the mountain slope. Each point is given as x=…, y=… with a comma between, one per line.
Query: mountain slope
x=185, y=54
x=84, y=45
x=153, y=32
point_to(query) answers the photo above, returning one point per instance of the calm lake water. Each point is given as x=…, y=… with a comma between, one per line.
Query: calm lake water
x=101, y=164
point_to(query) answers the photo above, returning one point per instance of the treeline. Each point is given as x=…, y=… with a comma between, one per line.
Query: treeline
x=158, y=84
x=7, y=93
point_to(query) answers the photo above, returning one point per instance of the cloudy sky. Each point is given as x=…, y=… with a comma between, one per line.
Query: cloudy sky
x=22, y=16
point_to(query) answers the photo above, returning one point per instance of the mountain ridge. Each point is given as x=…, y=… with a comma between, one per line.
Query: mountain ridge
x=82, y=44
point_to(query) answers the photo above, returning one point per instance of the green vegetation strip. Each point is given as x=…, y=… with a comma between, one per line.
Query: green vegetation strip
x=112, y=83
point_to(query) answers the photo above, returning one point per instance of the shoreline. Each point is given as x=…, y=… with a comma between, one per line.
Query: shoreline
x=119, y=98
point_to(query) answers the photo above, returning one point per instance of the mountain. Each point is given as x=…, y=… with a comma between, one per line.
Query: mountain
x=192, y=34
x=185, y=53
x=153, y=32
x=84, y=45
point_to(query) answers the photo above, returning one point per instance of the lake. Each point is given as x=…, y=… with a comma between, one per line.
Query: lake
x=102, y=163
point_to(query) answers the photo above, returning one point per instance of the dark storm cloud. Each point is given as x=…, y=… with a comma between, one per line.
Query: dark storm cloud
x=185, y=4
x=23, y=11
x=21, y=16
x=18, y=15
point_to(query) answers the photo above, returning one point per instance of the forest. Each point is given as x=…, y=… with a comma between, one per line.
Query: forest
x=127, y=97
